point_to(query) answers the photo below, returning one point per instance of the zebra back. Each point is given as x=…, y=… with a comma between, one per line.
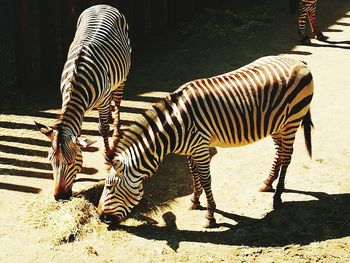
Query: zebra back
x=99, y=57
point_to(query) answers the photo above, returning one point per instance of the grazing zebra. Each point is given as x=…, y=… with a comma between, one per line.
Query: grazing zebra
x=94, y=74
x=307, y=9
x=270, y=96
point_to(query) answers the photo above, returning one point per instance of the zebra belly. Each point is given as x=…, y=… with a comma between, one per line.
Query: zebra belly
x=215, y=142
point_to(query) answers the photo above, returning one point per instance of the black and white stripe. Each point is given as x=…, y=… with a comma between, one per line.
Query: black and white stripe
x=269, y=97
x=93, y=76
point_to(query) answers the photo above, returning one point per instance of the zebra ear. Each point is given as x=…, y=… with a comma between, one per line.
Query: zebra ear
x=118, y=165
x=83, y=142
x=49, y=132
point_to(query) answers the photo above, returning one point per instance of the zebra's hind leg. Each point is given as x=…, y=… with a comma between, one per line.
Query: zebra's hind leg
x=202, y=160
x=288, y=137
x=304, y=38
x=313, y=23
x=197, y=188
x=267, y=187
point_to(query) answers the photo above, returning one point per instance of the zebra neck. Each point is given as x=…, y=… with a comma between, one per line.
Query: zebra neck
x=143, y=148
x=143, y=155
x=72, y=114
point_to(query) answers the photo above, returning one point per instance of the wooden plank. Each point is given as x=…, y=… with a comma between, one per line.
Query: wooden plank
x=159, y=15
x=174, y=13
x=188, y=9
x=141, y=19
x=70, y=10
x=48, y=41
x=23, y=53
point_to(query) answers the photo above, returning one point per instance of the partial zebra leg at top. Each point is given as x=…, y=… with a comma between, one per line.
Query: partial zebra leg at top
x=313, y=23
x=308, y=10
x=302, y=25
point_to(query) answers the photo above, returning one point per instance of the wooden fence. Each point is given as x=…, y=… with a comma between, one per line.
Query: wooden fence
x=38, y=32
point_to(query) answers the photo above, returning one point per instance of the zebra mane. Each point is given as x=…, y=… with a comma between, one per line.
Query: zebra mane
x=144, y=121
x=162, y=105
x=59, y=128
x=77, y=62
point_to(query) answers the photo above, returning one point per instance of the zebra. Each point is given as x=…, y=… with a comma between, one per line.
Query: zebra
x=270, y=96
x=307, y=9
x=93, y=76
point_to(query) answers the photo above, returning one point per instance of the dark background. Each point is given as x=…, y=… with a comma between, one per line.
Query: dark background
x=36, y=34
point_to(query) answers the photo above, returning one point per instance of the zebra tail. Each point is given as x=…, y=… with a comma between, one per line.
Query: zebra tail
x=293, y=5
x=308, y=125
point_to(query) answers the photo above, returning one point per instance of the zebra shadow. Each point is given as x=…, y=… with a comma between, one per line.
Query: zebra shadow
x=331, y=44
x=172, y=180
x=300, y=222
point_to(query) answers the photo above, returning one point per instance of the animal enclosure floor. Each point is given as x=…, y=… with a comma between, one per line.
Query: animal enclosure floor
x=313, y=225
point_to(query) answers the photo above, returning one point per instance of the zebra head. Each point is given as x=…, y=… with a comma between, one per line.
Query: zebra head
x=66, y=159
x=121, y=193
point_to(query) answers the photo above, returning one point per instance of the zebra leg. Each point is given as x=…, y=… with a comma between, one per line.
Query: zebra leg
x=267, y=187
x=305, y=40
x=103, y=127
x=117, y=96
x=197, y=188
x=202, y=160
x=288, y=137
x=313, y=24
x=112, y=109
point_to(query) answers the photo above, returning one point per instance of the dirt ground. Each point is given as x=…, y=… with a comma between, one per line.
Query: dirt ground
x=313, y=225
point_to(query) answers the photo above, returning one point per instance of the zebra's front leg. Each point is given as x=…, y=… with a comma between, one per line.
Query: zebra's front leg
x=103, y=127
x=202, y=160
x=197, y=188
x=267, y=186
x=117, y=96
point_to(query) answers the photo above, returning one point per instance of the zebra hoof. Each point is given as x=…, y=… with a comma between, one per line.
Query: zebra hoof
x=195, y=206
x=305, y=40
x=210, y=223
x=266, y=188
x=321, y=37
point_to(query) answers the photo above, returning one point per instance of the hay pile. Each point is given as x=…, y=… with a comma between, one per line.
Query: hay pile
x=64, y=221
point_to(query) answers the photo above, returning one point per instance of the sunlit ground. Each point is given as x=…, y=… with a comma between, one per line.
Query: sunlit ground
x=315, y=222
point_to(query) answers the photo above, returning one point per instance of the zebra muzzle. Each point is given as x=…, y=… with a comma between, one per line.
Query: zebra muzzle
x=111, y=219
x=65, y=196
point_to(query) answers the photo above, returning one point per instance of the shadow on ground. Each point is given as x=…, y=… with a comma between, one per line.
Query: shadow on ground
x=296, y=223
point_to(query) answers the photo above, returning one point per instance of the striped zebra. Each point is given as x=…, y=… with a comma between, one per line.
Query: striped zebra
x=270, y=96
x=307, y=9
x=93, y=76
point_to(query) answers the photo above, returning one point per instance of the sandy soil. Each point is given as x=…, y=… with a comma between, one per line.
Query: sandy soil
x=314, y=224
